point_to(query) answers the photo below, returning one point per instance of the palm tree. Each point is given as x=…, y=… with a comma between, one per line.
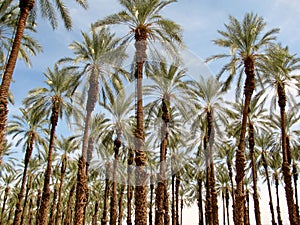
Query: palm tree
x=277, y=69
x=8, y=16
x=29, y=126
x=54, y=101
x=146, y=24
x=47, y=11
x=246, y=41
x=96, y=54
x=167, y=91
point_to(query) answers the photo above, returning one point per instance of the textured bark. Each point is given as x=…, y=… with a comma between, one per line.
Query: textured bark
x=38, y=204
x=95, y=215
x=129, y=186
x=181, y=211
x=295, y=178
x=277, y=198
x=166, y=207
x=53, y=205
x=28, y=153
x=151, y=199
x=173, y=213
x=239, y=205
x=113, y=199
x=25, y=8
x=6, y=192
x=208, y=207
x=254, y=174
x=106, y=195
x=265, y=165
x=224, y=207
x=246, y=213
x=200, y=200
x=120, y=216
x=227, y=206
x=229, y=166
x=62, y=175
x=286, y=171
x=26, y=200
x=82, y=186
x=177, y=186
x=68, y=218
x=141, y=175
x=30, y=213
x=44, y=208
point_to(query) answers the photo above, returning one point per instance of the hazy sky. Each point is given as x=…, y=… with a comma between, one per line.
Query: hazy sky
x=200, y=20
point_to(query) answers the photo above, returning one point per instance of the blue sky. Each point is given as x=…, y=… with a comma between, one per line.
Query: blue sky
x=200, y=20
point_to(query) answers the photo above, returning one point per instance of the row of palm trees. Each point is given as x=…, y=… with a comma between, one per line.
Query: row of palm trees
x=99, y=58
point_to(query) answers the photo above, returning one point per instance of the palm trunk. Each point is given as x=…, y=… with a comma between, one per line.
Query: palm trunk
x=227, y=206
x=30, y=213
x=38, y=204
x=95, y=215
x=25, y=8
x=286, y=171
x=208, y=207
x=181, y=211
x=6, y=191
x=247, y=218
x=177, y=186
x=120, y=216
x=161, y=187
x=29, y=149
x=129, y=191
x=277, y=198
x=106, y=195
x=26, y=199
x=151, y=199
x=200, y=205
x=295, y=178
x=62, y=175
x=81, y=187
x=173, y=212
x=224, y=207
x=52, y=211
x=239, y=201
x=141, y=175
x=213, y=192
x=265, y=165
x=254, y=174
x=44, y=208
x=113, y=199
x=229, y=166
x=68, y=218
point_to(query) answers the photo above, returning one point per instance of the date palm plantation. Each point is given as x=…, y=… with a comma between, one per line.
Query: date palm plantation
x=145, y=24
x=48, y=11
x=246, y=40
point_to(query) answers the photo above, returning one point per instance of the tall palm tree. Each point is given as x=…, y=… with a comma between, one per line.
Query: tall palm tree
x=277, y=69
x=53, y=100
x=146, y=24
x=168, y=90
x=96, y=55
x=207, y=97
x=48, y=11
x=246, y=41
x=29, y=126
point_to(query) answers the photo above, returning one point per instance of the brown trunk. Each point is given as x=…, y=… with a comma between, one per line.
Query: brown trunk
x=224, y=207
x=254, y=174
x=277, y=198
x=229, y=166
x=113, y=199
x=227, y=206
x=29, y=149
x=26, y=199
x=246, y=213
x=120, y=216
x=129, y=186
x=106, y=195
x=181, y=211
x=151, y=199
x=200, y=205
x=82, y=181
x=173, y=212
x=208, y=207
x=177, y=186
x=25, y=8
x=295, y=178
x=95, y=215
x=240, y=153
x=166, y=207
x=30, y=213
x=44, y=208
x=214, y=194
x=161, y=187
x=38, y=204
x=141, y=175
x=52, y=210
x=265, y=165
x=68, y=218
x=62, y=175
x=286, y=171
x=6, y=191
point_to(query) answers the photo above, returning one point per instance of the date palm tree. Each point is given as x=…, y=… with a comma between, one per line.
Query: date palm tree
x=246, y=41
x=29, y=126
x=277, y=69
x=48, y=11
x=54, y=100
x=95, y=57
x=146, y=24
